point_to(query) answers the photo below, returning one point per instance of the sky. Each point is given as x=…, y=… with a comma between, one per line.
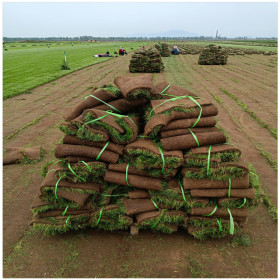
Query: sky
x=105, y=19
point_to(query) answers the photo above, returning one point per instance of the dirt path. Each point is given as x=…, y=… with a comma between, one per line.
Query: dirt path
x=34, y=119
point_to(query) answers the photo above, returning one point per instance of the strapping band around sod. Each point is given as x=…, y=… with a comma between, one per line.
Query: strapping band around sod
x=105, y=103
x=208, y=160
x=154, y=203
x=64, y=212
x=103, y=149
x=56, y=186
x=165, y=89
x=162, y=157
x=158, y=218
x=244, y=202
x=67, y=220
x=100, y=213
x=216, y=206
x=183, y=193
x=229, y=186
x=70, y=168
x=220, y=224
x=126, y=174
x=50, y=171
x=231, y=228
x=88, y=167
x=194, y=136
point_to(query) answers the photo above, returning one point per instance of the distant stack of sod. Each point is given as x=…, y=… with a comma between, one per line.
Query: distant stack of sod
x=163, y=49
x=146, y=61
x=213, y=55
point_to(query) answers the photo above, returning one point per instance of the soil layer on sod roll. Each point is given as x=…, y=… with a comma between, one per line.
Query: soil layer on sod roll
x=234, y=193
x=206, y=183
x=22, y=155
x=122, y=129
x=184, y=142
x=66, y=150
x=122, y=105
x=74, y=140
x=105, y=93
x=156, y=173
x=220, y=212
x=168, y=90
x=136, y=87
x=144, y=153
x=136, y=206
x=184, y=131
x=138, y=194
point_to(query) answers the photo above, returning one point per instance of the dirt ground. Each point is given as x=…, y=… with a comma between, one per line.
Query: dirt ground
x=33, y=119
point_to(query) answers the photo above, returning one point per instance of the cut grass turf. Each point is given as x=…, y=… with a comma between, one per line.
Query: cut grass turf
x=27, y=67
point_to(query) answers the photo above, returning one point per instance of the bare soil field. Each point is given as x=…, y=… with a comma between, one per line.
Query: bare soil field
x=245, y=92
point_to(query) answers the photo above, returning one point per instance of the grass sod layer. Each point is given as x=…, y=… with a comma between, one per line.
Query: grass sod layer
x=112, y=131
x=26, y=160
x=173, y=199
x=74, y=223
x=140, y=94
x=19, y=77
x=162, y=222
x=204, y=232
x=220, y=173
x=200, y=160
x=143, y=159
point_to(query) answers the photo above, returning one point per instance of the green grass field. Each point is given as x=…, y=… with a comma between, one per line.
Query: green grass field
x=27, y=65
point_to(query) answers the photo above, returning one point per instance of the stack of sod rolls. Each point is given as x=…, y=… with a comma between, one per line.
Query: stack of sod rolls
x=163, y=49
x=213, y=55
x=143, y=156
x=146, y=61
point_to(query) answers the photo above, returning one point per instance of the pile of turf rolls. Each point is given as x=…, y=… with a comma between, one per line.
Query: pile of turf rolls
x=163, y=49
x=140, y=156
x=213, y=55
x=146, y=61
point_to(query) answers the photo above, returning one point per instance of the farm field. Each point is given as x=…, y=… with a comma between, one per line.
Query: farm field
x=245, y=92
x=26, y=65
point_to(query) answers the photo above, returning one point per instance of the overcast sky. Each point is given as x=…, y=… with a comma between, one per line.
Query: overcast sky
x=232, y=19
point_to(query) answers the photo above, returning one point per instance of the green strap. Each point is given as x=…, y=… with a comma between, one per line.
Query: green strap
x=154, y=203
x=165, y=89
x=220, y=224
x=126, y=174
x=56, y=186
x=100, y=213
x=57, y=161
x=70, y=168
x=198, y=118
x=229, y=186
x=194, y=136
x=244, y=202
x=102, y=117
x=67, y=220
x=183, y=193
x=162, y=157
x=255, y=176
x=120, y=116
x=208, y=160
x=216, y=206
x=158, y=218
x=231, y=228
x=64, y=212
x=113, y=194
x=106, y=103
x=88, y=167
x=144, y=136
x=103, y=149
x=50, y=171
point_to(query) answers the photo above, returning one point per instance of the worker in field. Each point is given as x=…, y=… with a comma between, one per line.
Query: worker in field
x=107, y=54
x=122, y=51
x=175, y=50
x=143, y=48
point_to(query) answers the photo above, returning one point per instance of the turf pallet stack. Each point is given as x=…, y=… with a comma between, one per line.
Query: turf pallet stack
x=146, y=61
x=163, y=49
x=143, y=156
x=213, y=55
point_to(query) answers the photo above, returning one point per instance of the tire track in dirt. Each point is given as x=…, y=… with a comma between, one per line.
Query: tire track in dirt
x=238, y=134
